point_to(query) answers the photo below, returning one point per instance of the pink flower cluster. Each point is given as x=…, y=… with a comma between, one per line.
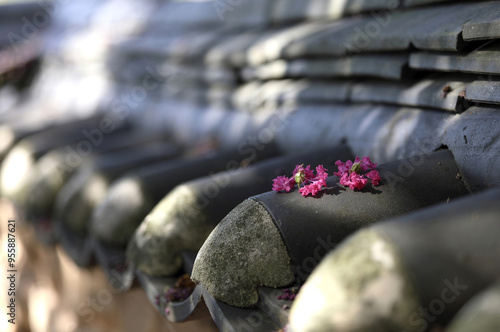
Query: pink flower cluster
x=350, y=173
x=289, y=294
x=312, y=184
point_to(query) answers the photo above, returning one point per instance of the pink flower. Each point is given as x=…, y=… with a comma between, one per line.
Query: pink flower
x=357, y=181
x=344, y=179
x=312, y=184
x=312, y=189
x=353, y=181
x=283, y=183
x=350, y=173
x=366, y=164
x=305, y=173
x=374, y=176
x=343, y=167
x=317, y=182
x=322, y=173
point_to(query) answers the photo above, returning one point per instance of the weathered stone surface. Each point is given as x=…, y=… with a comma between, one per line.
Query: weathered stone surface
x=478, y=61
x=232, y=51
x=486, y=25
x=477, y=155
x=202, y=15
x=330, y=218
x=192, y=75
x=434, y=92
x=335, y=38
x=418, y=292
x=231, y=318
x=173, y=225
x=481, y=313
x=194, y=45
x=187, y=48
x=115, y=216
x=337, y=9
x=149, y=184
x=211, y=97
x=442, y=31
x=78, y=197
x=436, y=28
x=383, y=132
x=49, y=178
x=244, y=251
x=379, y=31
x=271, y=45
x=382, y=66
x=484, y=91
x=291, y=11
x=360, y=286
x=254, y=14
x=255, y=95
x=17, y=169
x=463, y=248
x=406, y=185
x=387, y=133
x=296, y=10
x=185, y=217
x=53, y=169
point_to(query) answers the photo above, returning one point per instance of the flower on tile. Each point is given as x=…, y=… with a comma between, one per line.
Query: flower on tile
x=289, y=294
x=316, y=183
x=366, y=164
x=182, y=289
x=283, y=183
x=353, y=180
x=374, y=176
x=304, y=178
x=351, y=175
x=343, y=167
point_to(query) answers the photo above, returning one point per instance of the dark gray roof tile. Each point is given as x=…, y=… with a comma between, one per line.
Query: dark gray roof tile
x=484, y=91
x=411, y=3
x=440, y=93
x=486, y=25
x=388, y=66
x=295, y=10
x=484, y=60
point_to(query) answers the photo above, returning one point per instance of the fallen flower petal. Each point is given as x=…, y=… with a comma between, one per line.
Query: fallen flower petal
x=351, y=173
x=317, y=182
x=312, y=184
x=306, y=174
x=283, y=183
x=344, y=180
x=366, y=164
x=357, y=181
x=321, y=172
x=342, y=168
x=374, y=176
x=312, y=189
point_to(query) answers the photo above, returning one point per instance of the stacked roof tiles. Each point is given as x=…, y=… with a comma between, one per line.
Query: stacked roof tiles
x=193, y=109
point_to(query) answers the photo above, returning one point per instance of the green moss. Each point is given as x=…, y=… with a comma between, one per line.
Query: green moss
x=360, y=286
x=244, y=252
x=175, y=224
